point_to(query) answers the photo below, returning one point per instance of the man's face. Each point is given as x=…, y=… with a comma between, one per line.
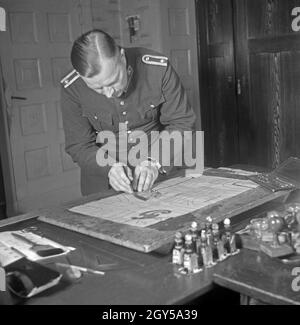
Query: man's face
x=112, y=80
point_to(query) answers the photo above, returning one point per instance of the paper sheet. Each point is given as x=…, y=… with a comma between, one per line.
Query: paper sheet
x=179, y=196
x=12, y=249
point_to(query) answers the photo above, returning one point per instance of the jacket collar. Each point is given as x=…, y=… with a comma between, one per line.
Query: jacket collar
x=130, y=55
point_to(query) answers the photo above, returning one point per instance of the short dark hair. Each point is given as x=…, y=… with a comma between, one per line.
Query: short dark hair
x=89, y=49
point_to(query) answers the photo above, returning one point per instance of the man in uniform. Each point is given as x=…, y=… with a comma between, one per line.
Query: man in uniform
x=112, y=85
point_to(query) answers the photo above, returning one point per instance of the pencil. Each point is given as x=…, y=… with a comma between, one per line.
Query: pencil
x=81, y=268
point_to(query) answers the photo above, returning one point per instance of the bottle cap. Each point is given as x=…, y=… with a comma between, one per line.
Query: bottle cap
x=215, y=226
x=178, y=235
x=209, y=219
x=194, y=225
x=272, y=214
x=188, y=237
x=227, y=222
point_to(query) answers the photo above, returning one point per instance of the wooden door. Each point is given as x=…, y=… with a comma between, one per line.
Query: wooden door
x=35, y=55
x=268, y=68
x=217, y=82
x=179, y=43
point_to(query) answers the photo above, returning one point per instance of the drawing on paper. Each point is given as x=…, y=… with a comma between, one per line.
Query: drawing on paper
x=179, y=196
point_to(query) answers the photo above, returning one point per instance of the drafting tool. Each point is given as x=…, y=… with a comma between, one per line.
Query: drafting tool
x=42, y=250
x=109, y=266
x=32, y=246
x=81, y=268
x=146, y=195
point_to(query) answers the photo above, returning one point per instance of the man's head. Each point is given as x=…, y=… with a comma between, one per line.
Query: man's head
x=100, y=63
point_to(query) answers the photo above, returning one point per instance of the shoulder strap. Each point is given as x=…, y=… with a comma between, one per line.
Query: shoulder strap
x=69, y=78
x=155, y=60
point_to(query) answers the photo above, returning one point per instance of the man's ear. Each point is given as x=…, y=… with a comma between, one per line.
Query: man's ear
x=122, y=52
x=123, y=56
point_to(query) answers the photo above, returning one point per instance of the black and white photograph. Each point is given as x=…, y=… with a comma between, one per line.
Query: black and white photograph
x=149, y=155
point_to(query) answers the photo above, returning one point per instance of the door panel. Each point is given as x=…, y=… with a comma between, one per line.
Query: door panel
x=253, y=41
x=35, y=55
x=267, y=51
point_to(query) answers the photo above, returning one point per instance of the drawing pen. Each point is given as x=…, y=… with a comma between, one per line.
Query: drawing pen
x=80, y=268
x=132, y=187
x=131, y=182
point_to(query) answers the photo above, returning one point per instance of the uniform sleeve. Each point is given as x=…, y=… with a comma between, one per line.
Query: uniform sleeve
x=176, y=115
x=80, y=137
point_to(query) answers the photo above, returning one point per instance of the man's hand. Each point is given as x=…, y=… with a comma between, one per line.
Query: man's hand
x=145, y=174
x=120, y=177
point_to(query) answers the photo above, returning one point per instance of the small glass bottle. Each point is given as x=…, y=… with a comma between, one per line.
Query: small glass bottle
x=208, y=229
x=218, y=246
x=178, y=250
x=203, y=249
x=230, y=238
x=190, y=258
x=195, y=236
x=206, y=250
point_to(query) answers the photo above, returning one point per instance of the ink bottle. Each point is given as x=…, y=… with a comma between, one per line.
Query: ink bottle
x=178, y=250
x=190, y=258
x=230, y=238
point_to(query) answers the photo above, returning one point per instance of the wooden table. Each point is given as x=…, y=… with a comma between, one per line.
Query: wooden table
x=137, y=278
x=257, y=276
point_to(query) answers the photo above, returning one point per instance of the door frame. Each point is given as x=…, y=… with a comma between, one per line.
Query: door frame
x=201, y=30
x=202, y=59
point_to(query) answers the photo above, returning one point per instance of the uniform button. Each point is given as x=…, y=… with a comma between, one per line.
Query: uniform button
x=152, y=106
x=126, y=122
x=96, y=117
x=124, y=113
x=122, y=102
x=129, y=131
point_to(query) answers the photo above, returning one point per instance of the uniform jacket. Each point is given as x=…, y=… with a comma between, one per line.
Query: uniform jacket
x=154, y=100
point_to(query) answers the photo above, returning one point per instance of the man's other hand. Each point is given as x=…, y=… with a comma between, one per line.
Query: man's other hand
x=120, y=177
x=145, y=174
